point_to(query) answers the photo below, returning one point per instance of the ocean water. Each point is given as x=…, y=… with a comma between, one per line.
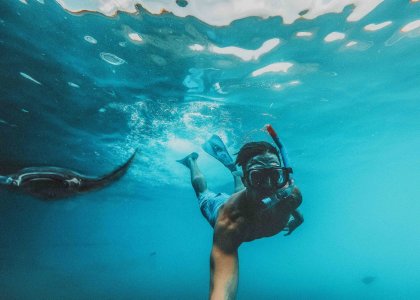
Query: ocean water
x=84, y=90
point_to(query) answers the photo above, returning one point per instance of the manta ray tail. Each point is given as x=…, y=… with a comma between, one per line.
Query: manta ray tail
x=89, y=184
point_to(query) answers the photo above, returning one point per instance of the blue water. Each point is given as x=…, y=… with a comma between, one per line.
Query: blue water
x=351, y=128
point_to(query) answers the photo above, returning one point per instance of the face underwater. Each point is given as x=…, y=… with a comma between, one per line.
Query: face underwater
x=264, y=173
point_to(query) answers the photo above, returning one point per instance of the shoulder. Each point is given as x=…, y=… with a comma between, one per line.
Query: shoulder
x=229, y=230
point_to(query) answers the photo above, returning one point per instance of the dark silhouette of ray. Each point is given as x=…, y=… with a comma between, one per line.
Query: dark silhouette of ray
x=52, y=183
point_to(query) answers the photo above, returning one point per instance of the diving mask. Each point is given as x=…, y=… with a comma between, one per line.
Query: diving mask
x=263, y=176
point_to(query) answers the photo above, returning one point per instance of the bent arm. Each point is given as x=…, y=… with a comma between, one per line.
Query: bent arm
x=291, y=200
x=294, y=198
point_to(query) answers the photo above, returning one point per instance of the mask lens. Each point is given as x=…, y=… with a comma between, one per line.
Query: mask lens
x=256, y=177
x=275, y=175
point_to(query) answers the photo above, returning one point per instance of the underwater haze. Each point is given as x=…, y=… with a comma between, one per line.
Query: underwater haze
x=83, y=86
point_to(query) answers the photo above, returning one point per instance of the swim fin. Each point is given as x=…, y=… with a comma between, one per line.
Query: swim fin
x=216, y=148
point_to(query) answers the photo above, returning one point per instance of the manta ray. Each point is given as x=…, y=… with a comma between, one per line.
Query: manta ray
x=52, y=183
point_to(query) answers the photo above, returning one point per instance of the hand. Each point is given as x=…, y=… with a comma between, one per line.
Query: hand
x=290, y=227
x=286, y=228
x=285, y=190
x=294, y=223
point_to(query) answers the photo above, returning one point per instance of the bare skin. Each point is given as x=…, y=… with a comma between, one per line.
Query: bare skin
x=243, y=218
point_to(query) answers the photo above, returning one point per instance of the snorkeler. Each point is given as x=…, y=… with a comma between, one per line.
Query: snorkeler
x=265, y=202
x=51, y=183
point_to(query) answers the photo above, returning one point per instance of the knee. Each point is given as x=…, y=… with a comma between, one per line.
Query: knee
x=197, y=180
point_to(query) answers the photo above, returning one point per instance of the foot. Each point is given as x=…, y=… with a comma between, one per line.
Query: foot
x=216, y=148
x=186, y=161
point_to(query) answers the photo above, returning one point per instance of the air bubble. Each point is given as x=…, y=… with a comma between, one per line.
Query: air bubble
x=90, y=39
x=112, y=59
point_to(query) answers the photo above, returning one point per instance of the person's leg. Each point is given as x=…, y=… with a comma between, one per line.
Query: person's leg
x=197, y=178
x=208, y=201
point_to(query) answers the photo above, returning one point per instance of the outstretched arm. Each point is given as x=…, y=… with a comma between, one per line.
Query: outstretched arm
x=224, y=259
x=223, y=274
